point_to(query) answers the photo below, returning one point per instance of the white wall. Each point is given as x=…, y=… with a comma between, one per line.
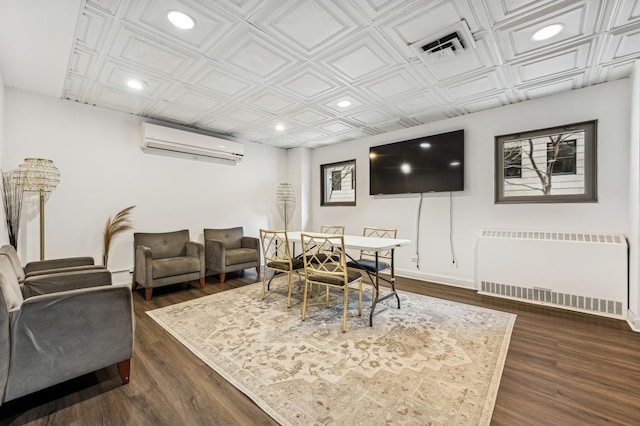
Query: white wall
x=474, y=209
x=103, y=170
x=299, y=163
x=634, y=201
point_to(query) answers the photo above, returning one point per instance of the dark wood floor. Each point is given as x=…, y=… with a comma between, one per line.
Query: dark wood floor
x=562, y=368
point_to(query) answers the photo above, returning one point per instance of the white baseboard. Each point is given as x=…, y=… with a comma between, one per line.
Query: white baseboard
x=435, y=278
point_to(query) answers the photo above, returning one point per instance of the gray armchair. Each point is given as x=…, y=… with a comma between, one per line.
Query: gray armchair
x=166, y=258
x=228, y=250
x=48, y=276
x=48, y=339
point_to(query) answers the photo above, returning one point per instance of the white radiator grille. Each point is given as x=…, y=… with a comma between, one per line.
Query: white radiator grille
x=584, y=272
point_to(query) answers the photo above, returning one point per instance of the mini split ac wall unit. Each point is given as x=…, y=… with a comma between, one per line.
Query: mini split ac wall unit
x=179, y=143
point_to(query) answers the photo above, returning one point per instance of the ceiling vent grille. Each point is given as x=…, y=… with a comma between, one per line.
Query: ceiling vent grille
x=447, y=43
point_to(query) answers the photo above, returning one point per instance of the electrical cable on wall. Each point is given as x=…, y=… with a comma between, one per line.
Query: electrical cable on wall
x=453, y=256
x=418, y=233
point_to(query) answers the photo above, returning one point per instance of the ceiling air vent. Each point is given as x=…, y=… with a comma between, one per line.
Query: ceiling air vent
x=447, y=43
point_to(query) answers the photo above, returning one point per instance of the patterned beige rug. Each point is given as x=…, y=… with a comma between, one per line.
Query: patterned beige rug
x=431, y=362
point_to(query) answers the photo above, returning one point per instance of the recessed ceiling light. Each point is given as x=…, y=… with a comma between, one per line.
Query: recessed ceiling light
x=181, y=20
x=279, y=127
x=344, y=104
x=136, y=84
x=547, y=32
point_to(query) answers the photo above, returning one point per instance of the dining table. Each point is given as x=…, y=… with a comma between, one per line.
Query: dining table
x=369, y=244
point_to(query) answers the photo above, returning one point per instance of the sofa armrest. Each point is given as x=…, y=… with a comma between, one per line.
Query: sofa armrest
x=64, y=281
x=195, y=249
x=41, y=265
x=215, y=253
x=250, y=242
x=143, y=271
x=65, y=270
x=56, y=337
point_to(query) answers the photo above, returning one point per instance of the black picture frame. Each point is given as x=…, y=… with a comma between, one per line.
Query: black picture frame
x=552, y=165
x=338, y=183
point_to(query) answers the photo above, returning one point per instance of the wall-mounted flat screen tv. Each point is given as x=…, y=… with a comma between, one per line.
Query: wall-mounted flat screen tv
x=427, y=164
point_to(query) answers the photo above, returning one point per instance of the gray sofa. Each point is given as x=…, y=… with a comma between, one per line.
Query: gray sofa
x=228, y=250
x=48, y=276
x=50, y=338
x=163, y=258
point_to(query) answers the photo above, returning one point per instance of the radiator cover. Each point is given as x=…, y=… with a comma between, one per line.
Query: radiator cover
x=577, y=271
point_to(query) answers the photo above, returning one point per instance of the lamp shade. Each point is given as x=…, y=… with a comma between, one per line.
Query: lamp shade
x=286, y=202
x=38, y=175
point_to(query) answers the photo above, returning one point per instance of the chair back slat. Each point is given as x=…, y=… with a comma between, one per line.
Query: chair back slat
x=380, y=233
x=332, y=229
x=316, y=261
x=275, y=246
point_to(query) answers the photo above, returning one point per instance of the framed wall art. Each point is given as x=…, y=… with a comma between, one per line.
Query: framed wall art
x=338, y=184
x=554, y=165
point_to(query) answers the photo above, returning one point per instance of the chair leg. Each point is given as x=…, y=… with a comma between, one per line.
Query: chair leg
x=134, y=285
x=290, y=284
x=147, y=293
x=304, y=301
x=124, y=369
x=360, y=298
x=202, y=285
x=264, y=284
x=344, y=308
x=221, y=276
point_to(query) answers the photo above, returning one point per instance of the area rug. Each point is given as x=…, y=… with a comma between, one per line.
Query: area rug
x=431, y=362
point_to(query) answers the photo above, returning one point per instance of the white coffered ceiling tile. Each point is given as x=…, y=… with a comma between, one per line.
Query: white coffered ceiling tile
x=241, y=115
x=212, y=23
x=283, y=141
x=172, y=112
x=117, y=75
x=622, y=44
x=503, y=10
x=218, y=125
x=552, y=66
x=614, y=71
x=93, y=28
x=337, y=126
x=252, y=135
x=308, y=83
x=222, y=82
x=109, y=6
x=473, y=87
x=272, y=101
x=192, y=99
x=375, y=9
x=309, y=135
x=547, y=88
x=391, y=126
x=579, y=21
x=159, y=57
x=119, y=100
x=256, y=54
x=627, y=12
x=486, y=102
x=436, y=114
x=309, y=116
x=372, y=116
x=390, y=85
x=361, y=56
x=416, y=104
x=242, y=8
x=310, y=25
x=75, y=88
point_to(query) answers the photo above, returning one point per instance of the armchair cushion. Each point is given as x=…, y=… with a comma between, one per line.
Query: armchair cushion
x=164, y=244
x=174, y=266
x=241, y=255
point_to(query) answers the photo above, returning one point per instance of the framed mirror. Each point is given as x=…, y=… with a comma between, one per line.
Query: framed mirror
x=338, y=184
x=554, y=165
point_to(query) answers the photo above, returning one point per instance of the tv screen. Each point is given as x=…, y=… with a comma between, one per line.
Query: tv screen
x=427, y=164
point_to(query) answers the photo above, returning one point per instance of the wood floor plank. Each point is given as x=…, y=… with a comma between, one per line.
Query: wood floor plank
x=562, y=368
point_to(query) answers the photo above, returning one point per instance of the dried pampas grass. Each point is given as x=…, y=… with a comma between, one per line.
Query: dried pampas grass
x=120, y=223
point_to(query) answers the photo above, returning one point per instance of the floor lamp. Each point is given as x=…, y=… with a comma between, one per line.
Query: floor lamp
x=39, y=175
x=286, y=202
